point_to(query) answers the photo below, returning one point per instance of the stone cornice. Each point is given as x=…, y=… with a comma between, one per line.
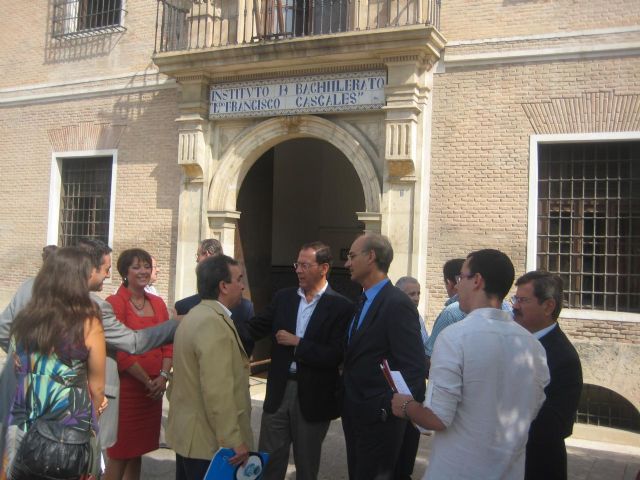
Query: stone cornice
x=340, y=51
x=577, y=52
x=85, y=88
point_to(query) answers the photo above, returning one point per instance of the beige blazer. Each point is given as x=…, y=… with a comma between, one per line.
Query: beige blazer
x=209, y=398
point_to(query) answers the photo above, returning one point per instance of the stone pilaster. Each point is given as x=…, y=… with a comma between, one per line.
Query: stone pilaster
x=222, y=226
x=405, y=125
x=193, y=154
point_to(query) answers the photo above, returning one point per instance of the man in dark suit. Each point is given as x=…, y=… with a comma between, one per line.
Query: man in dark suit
x=536, y=306
x=385, y=326
x=307, y=326
x=240, y=314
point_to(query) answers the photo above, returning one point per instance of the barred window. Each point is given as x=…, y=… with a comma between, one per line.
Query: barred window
x=79, y=17
x=85, y=199
x=589, y=222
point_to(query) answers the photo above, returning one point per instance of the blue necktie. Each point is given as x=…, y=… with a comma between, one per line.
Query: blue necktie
x=356, y=317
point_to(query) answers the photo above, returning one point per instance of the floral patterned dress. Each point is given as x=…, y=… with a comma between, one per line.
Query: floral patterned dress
x=53, y=387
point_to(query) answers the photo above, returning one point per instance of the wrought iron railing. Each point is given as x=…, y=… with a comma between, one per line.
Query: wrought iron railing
x=197, y=24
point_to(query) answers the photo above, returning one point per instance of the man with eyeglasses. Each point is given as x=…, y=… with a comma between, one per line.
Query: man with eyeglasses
x=307, y=326
x=384, y=327
x=486, y=383
x=240, y=314
x=536, y=306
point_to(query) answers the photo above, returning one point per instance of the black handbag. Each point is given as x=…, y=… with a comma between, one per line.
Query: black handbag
x=51, y=450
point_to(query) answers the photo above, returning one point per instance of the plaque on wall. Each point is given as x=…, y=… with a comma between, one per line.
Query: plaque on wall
x=299, y=95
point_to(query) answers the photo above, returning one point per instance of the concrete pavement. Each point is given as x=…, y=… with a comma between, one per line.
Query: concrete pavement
x=588, y=459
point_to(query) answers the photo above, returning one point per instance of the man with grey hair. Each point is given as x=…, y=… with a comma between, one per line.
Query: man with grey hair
x=240, y=314
x=385, y=327
x=536, y=306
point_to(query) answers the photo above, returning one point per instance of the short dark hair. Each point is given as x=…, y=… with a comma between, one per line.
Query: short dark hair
x=211, y=246
x=382, y=248
x=48, y=250
x=97, y=249
x=546, y=285
x=323, y=251
x=126, y=259
x=452, y=268
x=496, y=270
x=210, y=272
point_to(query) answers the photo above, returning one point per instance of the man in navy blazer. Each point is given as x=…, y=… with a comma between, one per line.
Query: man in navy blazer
x=240, y=314
x=384, y=327
x=536, y=306
x=307, y=326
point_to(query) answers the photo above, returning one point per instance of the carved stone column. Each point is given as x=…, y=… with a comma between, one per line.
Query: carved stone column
x=222, y=226
x=193, y=155
x=406, y=181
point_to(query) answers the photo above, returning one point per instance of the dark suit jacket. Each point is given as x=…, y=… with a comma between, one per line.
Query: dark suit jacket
x=546, y=452
x=317, y=356
x=240, y=316
x=390, y=330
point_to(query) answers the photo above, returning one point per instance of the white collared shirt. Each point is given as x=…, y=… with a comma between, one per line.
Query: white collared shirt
x=541, y=333
x=486, y=384
x=305, y=310
x=226, y=310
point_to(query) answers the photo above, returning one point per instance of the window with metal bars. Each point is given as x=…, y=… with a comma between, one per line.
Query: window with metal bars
x=603, y=407
x=589, y=222
x=79, y=17
x=85, y=199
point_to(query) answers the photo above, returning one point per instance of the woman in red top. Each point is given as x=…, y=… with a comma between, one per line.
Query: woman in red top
x=143, y=378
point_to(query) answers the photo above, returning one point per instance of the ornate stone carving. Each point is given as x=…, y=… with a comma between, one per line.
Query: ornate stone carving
x=85, y=136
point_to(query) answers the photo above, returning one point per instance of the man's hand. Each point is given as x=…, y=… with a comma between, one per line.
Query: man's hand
x=397, y=402
x=241, y=456
x=287, y=338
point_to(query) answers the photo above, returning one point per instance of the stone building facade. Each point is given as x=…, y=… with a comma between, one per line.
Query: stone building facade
x=476, y=97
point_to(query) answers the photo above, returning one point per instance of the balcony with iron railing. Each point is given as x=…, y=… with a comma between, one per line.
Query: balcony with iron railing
x=188, y=25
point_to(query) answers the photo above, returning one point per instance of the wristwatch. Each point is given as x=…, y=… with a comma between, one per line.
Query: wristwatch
x=383, y=415
x=166, y=375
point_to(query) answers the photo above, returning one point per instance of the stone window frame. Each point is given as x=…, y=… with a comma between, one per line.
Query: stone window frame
x=532, y=229
x=55, y=188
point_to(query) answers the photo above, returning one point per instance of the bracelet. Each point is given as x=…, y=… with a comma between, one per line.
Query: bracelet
x=164, y=374
x=404, y=407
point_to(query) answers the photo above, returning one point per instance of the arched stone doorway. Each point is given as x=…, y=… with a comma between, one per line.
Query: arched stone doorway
x=298, y=191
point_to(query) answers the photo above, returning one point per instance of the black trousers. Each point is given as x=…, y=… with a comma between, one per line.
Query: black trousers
x=372, y=448
x=408, y=452
x=190, y=468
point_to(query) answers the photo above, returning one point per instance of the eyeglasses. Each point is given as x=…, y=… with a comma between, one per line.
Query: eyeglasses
x=303, y=266
x=462, y=275
x=515, y=299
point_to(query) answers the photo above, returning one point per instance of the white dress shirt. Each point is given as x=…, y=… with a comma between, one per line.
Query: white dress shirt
x=305, y=310
x=486, y=385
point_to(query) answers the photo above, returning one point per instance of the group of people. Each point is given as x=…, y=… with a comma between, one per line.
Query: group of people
x=503, y=380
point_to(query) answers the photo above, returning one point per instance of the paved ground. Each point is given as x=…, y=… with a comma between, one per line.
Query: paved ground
x=588, y=460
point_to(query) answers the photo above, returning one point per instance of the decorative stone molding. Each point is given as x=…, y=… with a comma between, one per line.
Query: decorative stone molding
x=222, y=227
x=85, y=136
x=372, y=221
x=292, y=123
x=601, y=111
x=191, y=146
x=399, y=150
x=236, y=161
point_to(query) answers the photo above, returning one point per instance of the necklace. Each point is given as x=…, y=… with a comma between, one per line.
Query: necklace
x=140, y=309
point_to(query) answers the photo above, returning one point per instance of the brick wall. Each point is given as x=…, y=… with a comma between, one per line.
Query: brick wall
x=480, y=154
x=604, y=331
x=148, y=179
x=27, y=42
x=482, y=19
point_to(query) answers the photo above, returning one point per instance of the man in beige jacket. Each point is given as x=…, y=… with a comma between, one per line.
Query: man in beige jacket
x=209, y=398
